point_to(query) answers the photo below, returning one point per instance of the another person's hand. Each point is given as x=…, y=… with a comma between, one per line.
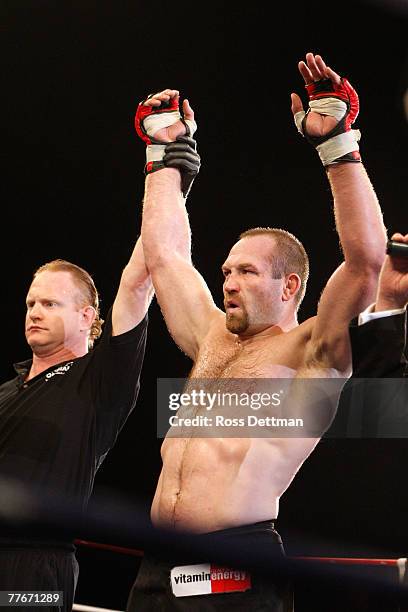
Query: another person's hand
x=393, y=283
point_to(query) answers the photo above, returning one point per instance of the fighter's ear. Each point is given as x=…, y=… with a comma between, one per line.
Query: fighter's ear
x=291, y=287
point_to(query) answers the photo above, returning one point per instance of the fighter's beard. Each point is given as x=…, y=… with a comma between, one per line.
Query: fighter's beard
x=237, y=323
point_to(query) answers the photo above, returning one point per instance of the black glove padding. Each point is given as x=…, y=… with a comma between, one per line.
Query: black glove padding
x=182, y=154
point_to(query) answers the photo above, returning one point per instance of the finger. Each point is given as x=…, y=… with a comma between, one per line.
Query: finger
x=152, y=102
x=183, y=143
x=175, y=162
x=399, y=237
x=157, y=99
x=313, y=67
x=325, y=71
x=305, y=72
x=320, y=63
x=333, y=76
x=171, y=93
x=161, y=96
x=187, y=110
x=296, y=103
x=174, y=154
x=187, y=140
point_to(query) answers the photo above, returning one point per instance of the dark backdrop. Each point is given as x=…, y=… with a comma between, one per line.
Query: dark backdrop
x=72, y=182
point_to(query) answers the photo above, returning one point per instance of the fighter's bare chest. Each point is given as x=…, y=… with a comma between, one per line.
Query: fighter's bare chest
x=232, y=359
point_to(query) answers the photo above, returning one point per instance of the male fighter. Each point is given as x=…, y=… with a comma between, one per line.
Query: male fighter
x=63, y=411
x=223, y=484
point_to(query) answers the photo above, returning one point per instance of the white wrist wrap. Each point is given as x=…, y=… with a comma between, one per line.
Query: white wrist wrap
x=154, y=152
x=153, y=123
x=329, y=106
x=338, y=146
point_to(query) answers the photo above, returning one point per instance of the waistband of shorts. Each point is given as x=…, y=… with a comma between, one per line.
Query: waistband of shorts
x=247, y=529
x=205, y=547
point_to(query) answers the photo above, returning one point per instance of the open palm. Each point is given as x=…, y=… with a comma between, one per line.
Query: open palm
x=315, y=69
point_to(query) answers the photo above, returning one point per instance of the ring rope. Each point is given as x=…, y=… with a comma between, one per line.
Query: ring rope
x=400, y=563
x=83, y=608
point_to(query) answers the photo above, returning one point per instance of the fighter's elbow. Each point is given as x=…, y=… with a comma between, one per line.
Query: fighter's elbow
x=364, y=275
x=366, y=260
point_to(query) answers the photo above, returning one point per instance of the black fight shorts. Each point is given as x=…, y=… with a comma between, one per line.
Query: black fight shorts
x=153, y=588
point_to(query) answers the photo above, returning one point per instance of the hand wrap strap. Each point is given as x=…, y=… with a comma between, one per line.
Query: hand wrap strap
x=338, y=101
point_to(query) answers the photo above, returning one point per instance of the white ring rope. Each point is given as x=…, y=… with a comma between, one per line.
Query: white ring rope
x=82, y=608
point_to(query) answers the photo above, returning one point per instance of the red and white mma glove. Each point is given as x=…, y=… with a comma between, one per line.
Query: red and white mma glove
x=338, y=101
x=149, y=120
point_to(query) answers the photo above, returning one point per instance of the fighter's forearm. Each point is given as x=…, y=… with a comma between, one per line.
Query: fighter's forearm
x=358, y=216
x=165, y=226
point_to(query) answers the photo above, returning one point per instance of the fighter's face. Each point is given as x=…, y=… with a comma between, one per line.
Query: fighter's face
x=54, y=318
x=252, y=298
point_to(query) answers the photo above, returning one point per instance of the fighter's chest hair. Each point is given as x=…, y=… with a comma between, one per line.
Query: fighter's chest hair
x=223, y=355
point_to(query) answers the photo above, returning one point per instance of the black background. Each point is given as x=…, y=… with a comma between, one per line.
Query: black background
x=72, y=184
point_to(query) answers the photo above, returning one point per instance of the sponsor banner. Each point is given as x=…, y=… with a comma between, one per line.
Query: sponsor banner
x=207, y=579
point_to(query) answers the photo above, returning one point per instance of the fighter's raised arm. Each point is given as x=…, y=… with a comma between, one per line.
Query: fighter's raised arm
x=184, y=298
x=333, y=109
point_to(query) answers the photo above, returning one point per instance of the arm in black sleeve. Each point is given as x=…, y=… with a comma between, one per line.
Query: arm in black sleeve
x=115, y=380
x=378, y=347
